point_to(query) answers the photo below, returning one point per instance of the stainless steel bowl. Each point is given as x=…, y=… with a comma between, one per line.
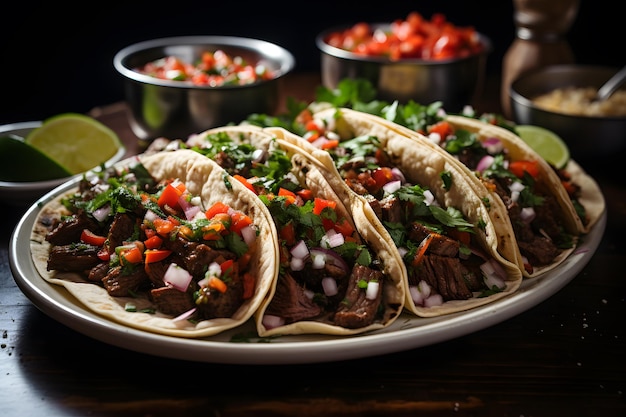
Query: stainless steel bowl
x=173, y=109
x=586, y=136
x=455, y=82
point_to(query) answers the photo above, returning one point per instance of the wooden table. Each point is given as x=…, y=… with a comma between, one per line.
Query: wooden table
x=564, y=357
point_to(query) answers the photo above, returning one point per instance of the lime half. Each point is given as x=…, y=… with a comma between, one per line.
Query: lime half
x=77, y=142
x=20, y=162
x=546, y=143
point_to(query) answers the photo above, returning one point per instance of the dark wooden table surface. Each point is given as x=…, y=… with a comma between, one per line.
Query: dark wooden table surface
x=565, y=356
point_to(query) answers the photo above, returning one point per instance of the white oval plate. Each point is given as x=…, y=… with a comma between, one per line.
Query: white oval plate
x=407, y=332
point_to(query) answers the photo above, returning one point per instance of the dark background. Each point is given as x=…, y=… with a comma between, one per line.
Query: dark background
x=57, y=58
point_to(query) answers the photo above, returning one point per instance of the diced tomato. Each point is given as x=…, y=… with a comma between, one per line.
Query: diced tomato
x=131, y=256
x=240, y=220
x=169, y=196
x=321, y=203
x=227, y=266
x=163, y=226
x=305, y=193
x=91, y=238
x=156, y=255
x=330, y=144
x=519, y=167
x=290, y=196
x=288, y=234
x=382, y=176
x=442, y=127
x=249, y=282
x=344, y=227
x=245, y=182
x=217, y=207
x=217, y=284
x=153, y=242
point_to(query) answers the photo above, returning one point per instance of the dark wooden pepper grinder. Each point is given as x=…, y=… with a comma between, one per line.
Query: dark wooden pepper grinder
x=540, y=40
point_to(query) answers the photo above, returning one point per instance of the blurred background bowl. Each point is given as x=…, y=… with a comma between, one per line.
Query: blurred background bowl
x=455, y=82
x=586, y=136
x=25, y=193
x=176, y=109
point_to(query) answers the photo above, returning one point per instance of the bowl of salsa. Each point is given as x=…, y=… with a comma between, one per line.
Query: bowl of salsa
x=183, y=85
x=414, y=58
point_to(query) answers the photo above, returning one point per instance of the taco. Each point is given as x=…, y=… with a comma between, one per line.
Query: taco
x=423, y=204
x=548, y=208
x=337, y=275
x=165, y=243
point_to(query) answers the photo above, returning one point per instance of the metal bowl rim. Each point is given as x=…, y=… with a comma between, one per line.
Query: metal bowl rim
x=347, y=55
x=285, y=57
x=527, y=102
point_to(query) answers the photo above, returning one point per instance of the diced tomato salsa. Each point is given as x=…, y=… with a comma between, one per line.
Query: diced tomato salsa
x=213, y=69
x=413, y=38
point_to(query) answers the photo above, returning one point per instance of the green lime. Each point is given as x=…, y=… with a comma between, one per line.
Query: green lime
x=20, y=162
x=546, y=143
x=77, y=142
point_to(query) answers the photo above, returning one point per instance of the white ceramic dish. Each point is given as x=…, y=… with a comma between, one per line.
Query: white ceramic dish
x=408, y=332
x=25, y=193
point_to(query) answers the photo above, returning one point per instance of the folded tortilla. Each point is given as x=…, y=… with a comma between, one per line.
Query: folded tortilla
x=203, y=178
x=547, y=183
x=421, y=165
x=311, y=175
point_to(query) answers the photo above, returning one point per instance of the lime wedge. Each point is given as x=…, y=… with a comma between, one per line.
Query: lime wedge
x=546, y=143
x=20, y=162
x=77, y=142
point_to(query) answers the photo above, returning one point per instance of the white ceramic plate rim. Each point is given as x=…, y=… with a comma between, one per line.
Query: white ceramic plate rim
x=407, y=332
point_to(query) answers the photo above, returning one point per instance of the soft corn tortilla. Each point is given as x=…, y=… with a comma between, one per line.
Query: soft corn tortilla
x=314, y=176
x=204, y=178
x=422, y=165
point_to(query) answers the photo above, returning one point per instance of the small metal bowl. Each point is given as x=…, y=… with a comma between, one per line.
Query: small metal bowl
x=586, y=136
x=175, y=109
x=455, y=82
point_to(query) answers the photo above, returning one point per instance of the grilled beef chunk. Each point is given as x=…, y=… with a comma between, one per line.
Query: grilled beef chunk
x=290, y=301
x=122, y=228
x=440, y=245
x=392, y=210
x=73, y=258
x=69, y=229
x=169, y=300
x=98, y=272
x=539, y=251
x=356, y=310
x=120, y=283
x=447, y=276
x=222, y=304
x=156, y=272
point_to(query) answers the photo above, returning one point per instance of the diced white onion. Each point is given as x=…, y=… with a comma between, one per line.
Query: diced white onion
x=372, y=290
x=527, y=214
x=433, y=300
x=296, y=264
x=271, y=322
x=416, y=295
x=435, y=138
x=516, y=186
x=249, y=235
x=493, y=145
x=398, y=174
x=330, y=286
x=318, y=260
x=102, y=213
x=429, y=198
x=392, y=186
x=177, y=277
x=332, y=239
x=300, y=250
x=332, y=135
x=150, y=216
